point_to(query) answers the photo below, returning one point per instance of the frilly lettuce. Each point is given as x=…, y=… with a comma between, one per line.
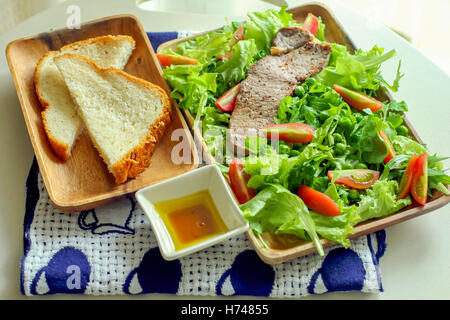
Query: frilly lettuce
x=234, y=69
x=262, y=26
x=381, y=200
x=407, y=146
x=277, y=210
x=359, y=71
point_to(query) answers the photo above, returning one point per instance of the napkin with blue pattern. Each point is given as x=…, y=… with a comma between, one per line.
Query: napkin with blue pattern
x=112, y=251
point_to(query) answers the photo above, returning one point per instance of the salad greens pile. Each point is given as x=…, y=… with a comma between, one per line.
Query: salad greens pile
x=197, y=87
x=345, y=138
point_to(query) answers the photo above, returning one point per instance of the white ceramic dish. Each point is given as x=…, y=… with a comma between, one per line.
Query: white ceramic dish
x=206, y=178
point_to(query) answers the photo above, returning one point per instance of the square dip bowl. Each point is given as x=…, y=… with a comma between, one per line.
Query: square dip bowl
x=207, y=178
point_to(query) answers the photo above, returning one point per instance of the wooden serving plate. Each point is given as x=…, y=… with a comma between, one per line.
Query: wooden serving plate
x=83, y=182
x=287, y=247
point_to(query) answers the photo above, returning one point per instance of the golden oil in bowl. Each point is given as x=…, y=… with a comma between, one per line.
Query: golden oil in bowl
x=191, y=219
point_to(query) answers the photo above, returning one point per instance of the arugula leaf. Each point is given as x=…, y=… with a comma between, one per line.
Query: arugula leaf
x=395, y=120
x=394, y=105
x=396, y=84
x=366, y=140
x=439, y=186
x=436, y=175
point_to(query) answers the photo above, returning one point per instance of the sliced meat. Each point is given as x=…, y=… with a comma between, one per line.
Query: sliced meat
x=268, y=81
x=288, y=39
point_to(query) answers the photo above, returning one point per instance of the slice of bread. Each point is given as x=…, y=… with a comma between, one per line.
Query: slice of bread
x=125, y=116
x=59, y=117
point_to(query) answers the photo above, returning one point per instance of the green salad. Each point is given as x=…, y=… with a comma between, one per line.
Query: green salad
x=360, y=163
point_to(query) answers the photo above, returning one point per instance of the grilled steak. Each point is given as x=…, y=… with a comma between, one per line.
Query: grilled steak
x=270, y=80
x=288, y=39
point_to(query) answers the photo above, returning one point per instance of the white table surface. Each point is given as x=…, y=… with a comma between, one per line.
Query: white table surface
x=417, y=260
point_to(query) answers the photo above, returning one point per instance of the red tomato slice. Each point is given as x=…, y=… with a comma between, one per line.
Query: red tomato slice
x=238, y=181
x=239, y=33
x=318, y=202
x=404, y=187
x=355, y=178
x=358, y=100
x=228, y=100
x=290, y=132
x=311, y=24
x=391, y=151
x=169, y=59
x=419, y=184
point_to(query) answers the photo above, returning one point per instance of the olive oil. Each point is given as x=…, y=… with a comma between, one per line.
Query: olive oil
x=191, y=219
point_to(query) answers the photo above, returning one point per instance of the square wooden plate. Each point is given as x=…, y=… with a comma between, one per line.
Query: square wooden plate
x=83, y=182
x=284, y=248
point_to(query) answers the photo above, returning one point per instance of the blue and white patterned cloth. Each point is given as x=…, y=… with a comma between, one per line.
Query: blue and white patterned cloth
x=112, y=251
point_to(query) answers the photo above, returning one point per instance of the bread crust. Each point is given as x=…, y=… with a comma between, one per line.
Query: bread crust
x=104, y=39
x=62, y=149
x=139, y=158
x=44, y=103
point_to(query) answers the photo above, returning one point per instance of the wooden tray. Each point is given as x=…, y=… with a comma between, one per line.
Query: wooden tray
x=83, y=182
x=285, y=248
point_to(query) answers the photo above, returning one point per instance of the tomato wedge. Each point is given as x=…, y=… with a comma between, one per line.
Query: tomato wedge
x=318, y=202
x=355, y=178
x=311, y=24
x=239, y=33
x=404, y=187
x=358, y=100
x=228, y=100
x=238, y=181
x=391, y=151
x=419, y=184
x=172, y=59
x=290, y=132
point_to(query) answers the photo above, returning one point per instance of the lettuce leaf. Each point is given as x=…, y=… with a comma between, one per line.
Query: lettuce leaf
x=215, y=124
x=206, y=47
x=320, y=35
x=339, y=227
x=277, y=210
x=192, y=89
x=235, y=68
x=407, y=146
x=269, y=168
x=262, y=26
x=359, y=71
x=381, y=200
